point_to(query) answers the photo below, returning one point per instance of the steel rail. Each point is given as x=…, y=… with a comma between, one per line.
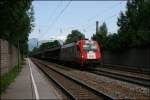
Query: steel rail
x=46, y=73
x=126, y=68
x=126, y=78
x=39, y=64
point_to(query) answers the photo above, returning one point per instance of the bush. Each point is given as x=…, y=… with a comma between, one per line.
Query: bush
x=9, y=77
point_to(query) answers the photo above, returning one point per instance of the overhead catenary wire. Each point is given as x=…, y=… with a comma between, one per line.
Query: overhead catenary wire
x=108, y=18
x=88, y=27
x=90, y=19
x=52, y=14
x=105, y=11
x=54, y=11
x=56, y=19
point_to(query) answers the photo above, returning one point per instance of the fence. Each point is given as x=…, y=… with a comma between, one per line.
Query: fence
x=134, y=58
x=8, y=56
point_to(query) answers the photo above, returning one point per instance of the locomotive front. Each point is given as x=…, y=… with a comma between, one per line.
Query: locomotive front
x=90, y=52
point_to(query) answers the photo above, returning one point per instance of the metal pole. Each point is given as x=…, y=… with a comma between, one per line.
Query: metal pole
x=97, y=26
x=18, y=55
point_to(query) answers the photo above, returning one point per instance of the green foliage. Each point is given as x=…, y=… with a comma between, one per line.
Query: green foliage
x=8, y=78
x=134, y=28
x=49, y=45
x=16, y=22
x=103, y=29
x=45, y=46
x=134, y=24
x=113, y=43
x=101, y=36
x=74, y=36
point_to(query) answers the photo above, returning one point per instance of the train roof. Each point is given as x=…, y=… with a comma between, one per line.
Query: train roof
x=68, y=45
x=48, y=50
x=76, y=43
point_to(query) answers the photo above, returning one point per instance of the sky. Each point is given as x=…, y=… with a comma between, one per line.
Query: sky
x=56, y=19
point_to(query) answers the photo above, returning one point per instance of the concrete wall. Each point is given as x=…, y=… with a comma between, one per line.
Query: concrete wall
x=134, y=58
x=8, y=56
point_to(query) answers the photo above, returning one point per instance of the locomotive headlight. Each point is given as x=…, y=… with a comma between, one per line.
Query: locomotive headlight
x=82, y=56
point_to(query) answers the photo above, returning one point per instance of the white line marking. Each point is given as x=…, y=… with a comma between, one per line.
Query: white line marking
x=33, y=82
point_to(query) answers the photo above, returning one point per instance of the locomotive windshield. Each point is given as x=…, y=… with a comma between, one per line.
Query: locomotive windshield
x=90, y=46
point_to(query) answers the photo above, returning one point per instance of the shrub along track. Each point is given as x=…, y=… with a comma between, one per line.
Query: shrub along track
x=104, y=85
x=72, y=87
x=8, y=78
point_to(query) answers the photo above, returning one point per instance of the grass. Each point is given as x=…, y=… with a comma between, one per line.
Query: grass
x=9, y=77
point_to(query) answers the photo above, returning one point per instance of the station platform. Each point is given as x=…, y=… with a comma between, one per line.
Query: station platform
x=31, y=83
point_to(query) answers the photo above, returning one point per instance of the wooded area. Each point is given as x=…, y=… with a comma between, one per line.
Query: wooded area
x=134, y=28
x=16, y=18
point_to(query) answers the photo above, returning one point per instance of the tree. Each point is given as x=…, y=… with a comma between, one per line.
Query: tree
x=134, y=24
x=103, y=29
x=16, y=22
x=113, y=43
x=101, y=36
x=49, y=45
x=74, y=36
x=133, y=30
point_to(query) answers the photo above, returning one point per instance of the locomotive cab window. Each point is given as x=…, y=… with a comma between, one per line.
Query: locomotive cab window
x=90, y=47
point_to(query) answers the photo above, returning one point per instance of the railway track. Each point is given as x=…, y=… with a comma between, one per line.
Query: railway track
x=105, y=87
x=126, y=68
x=123, y=76
x=72, y=88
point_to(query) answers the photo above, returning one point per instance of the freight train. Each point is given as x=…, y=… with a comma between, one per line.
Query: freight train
x=83, y=52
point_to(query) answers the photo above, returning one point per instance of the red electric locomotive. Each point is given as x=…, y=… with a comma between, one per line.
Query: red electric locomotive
x=83, y=52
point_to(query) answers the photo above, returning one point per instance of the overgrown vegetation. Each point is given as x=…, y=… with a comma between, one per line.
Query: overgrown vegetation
x=74, y=36
x=46, y=45
x=16, y=18
x=134, y=28
x=9, y=77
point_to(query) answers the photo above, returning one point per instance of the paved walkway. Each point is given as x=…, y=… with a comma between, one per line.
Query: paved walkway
x=31, y=83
